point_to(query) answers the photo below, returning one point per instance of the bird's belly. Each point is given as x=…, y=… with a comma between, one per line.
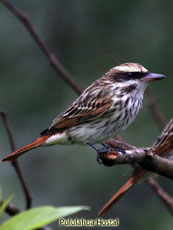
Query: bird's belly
x=105, y=127
x=96, y=131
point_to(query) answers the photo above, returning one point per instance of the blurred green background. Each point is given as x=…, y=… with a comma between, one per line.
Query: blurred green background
x=88, y=37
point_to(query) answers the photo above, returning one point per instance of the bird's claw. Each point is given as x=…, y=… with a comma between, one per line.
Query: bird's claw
x=98, y=159
x=114, y=149
x=105, y=155
x=102, y=155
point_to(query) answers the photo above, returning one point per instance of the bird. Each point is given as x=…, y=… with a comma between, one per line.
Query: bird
x=106, y=107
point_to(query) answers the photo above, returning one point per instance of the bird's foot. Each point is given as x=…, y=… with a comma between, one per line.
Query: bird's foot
x=106, y=155
x=117, y=149
x=99, y=152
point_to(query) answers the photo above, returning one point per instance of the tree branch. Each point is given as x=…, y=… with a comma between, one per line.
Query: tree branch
x=145, y=157
x=164, y=197
x=16, y=163
x=24, y=19
x=155, y=110
x=148, y=158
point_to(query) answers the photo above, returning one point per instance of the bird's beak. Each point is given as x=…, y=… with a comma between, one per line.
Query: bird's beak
x=152, y=77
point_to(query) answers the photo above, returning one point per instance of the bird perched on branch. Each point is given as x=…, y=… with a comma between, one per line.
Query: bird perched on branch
x=106, y=107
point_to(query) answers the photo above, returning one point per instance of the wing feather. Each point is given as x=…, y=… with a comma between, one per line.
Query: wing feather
x=86, y=108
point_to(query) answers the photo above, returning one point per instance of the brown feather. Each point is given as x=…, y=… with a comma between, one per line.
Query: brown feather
x=26, y=148
x=92, y=108
x=125, y=188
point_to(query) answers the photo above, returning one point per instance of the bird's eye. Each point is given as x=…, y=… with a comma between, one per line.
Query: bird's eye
x=129, y=74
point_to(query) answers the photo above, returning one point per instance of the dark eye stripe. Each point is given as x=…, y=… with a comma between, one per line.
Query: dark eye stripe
x=136, y=75
x=120, y=77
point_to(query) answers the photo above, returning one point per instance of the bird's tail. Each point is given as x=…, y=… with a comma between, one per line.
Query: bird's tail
x=39, y=141
x=125, y=188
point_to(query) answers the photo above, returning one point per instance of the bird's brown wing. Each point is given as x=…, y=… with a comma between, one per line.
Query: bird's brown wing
x=84, y=109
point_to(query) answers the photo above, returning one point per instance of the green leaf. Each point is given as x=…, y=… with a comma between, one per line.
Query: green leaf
x=4, y=205
x=39, y=217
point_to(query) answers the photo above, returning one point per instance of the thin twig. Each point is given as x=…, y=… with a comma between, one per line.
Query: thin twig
x=155, y=110
x=161, y=122
x=167, y=200
x=24, y=19
x=145, y=157
x=10, y=209
x=22, y=16
x=16, y=163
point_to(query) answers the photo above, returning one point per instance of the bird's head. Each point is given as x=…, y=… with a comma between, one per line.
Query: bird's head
x=132, y=76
